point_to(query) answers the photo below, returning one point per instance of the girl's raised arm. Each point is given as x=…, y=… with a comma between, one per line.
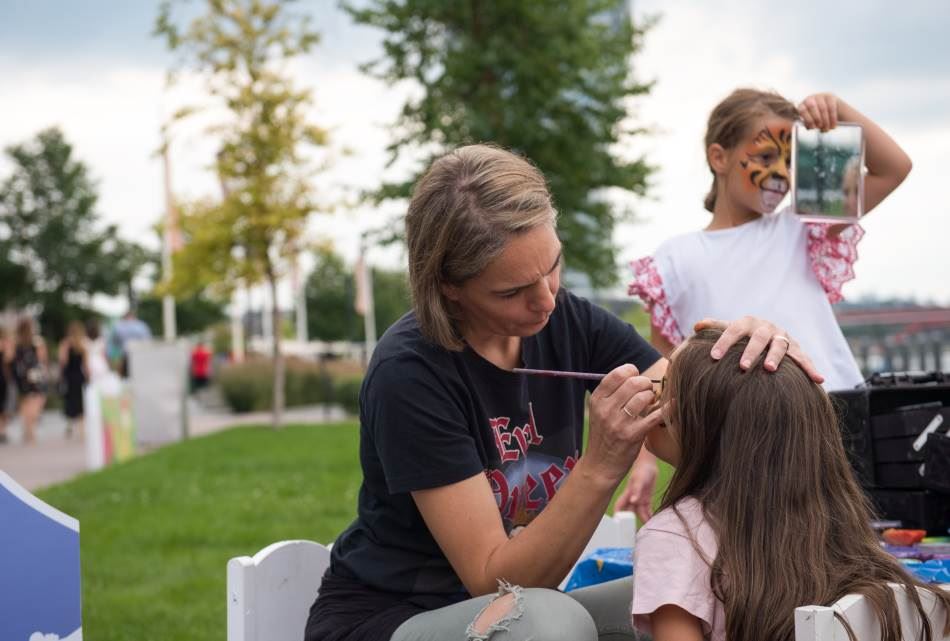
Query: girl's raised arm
x=888, y=164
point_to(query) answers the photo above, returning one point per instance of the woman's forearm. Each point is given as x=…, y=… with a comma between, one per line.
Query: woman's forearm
x=543, y=553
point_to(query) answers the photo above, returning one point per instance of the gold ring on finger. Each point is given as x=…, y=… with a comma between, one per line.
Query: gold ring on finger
x=627, y=412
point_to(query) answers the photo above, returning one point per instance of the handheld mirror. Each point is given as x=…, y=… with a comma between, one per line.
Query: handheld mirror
x=828, y=173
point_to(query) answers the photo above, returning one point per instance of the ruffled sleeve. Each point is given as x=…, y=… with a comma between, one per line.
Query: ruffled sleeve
x=832, y=258
x=648, y=286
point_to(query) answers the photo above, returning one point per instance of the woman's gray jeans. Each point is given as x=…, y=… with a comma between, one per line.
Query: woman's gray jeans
x=596, y=613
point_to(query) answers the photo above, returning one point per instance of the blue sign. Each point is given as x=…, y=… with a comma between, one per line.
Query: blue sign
x=39, y=569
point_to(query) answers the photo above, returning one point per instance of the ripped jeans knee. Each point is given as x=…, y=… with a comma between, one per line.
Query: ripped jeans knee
x=512, y=614
x=517, y=614
x=507, y=606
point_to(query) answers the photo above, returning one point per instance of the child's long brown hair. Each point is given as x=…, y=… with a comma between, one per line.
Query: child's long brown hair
x=762, y=453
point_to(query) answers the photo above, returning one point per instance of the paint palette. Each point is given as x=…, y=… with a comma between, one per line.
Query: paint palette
x=828, y=173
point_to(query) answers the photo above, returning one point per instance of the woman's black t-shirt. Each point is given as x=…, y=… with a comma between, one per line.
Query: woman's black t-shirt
x=430, y=417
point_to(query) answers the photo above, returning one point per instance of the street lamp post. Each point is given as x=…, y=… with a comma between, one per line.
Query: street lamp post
x=169, y=328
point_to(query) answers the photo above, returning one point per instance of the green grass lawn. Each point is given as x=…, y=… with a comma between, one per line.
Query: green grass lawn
x=156, y=533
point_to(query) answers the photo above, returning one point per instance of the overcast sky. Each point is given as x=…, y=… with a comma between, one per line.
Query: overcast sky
x=100, y=76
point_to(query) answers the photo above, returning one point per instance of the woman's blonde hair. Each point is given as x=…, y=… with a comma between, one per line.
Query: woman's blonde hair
x=729, y=122
x=464, y=210
x=76, y=334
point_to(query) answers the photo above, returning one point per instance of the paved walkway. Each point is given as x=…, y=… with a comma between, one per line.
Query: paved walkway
x=55, y=458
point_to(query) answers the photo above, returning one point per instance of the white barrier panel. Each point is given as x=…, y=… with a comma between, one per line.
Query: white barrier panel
x=40, y=578
x=159, y=384
x=109, y=422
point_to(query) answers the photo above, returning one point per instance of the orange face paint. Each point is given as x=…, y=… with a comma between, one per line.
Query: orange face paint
x=765, y=164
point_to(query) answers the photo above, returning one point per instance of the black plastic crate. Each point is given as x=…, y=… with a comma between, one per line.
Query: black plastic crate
x=897, y=450
x=908, y=420
x=937, y=463
x=853, y=409
x=899, y=476
x=916, y=509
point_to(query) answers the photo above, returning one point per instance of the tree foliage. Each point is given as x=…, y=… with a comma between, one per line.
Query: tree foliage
x=56, y=254
x=192, y=315
x=330, y=293
x=550, y=80
x=241, y=49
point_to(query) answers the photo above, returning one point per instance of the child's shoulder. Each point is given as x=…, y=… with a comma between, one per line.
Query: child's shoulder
x=679, y=242
x=681, y=519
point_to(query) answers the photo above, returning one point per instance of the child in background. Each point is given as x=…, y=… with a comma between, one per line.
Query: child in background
x=763, y=513
x=752, y=260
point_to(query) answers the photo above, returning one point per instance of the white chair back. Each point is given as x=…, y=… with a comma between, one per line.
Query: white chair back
x=270, y=594
x=818, y=623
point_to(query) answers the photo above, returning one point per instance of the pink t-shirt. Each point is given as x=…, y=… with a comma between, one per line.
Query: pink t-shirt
x=668, y=570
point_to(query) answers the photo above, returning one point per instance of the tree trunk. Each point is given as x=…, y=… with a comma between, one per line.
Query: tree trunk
x=278, y=408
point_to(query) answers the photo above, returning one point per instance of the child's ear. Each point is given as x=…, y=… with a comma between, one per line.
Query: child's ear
x=718, y=158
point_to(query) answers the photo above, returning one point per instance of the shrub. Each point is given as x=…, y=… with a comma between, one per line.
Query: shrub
x=248, y=386
x=347, y=393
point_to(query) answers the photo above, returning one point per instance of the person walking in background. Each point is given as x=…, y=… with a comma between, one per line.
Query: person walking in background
x=28, y=360
x=98, y=364
x=73, y=375
x=128, y=328
x=4, y=384
x=200, y=366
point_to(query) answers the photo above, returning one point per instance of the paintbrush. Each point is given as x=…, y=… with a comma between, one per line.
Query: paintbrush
x=590, y=376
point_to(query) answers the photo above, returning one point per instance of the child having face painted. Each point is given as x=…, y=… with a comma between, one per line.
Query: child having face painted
x=754, y=259
x=763, y=513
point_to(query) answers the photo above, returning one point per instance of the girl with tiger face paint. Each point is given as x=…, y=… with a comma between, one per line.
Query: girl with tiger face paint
x=765, y=162
x=756, y=257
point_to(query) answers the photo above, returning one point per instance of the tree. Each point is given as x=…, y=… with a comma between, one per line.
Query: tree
x=329, y=296
x=56, y=254
x=241, y=48
x=192, y=315
x=391, y=297
x=330, y=293
x=550, y=80
x=14, y=282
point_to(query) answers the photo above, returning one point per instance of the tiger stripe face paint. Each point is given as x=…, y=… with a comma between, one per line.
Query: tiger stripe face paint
x=765, y=161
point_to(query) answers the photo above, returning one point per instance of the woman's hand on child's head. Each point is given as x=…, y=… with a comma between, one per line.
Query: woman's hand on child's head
x=763, y=336
x=819, y=111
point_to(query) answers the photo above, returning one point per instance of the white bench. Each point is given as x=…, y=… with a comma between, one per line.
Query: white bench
x=818, y=623
x=270, y=594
